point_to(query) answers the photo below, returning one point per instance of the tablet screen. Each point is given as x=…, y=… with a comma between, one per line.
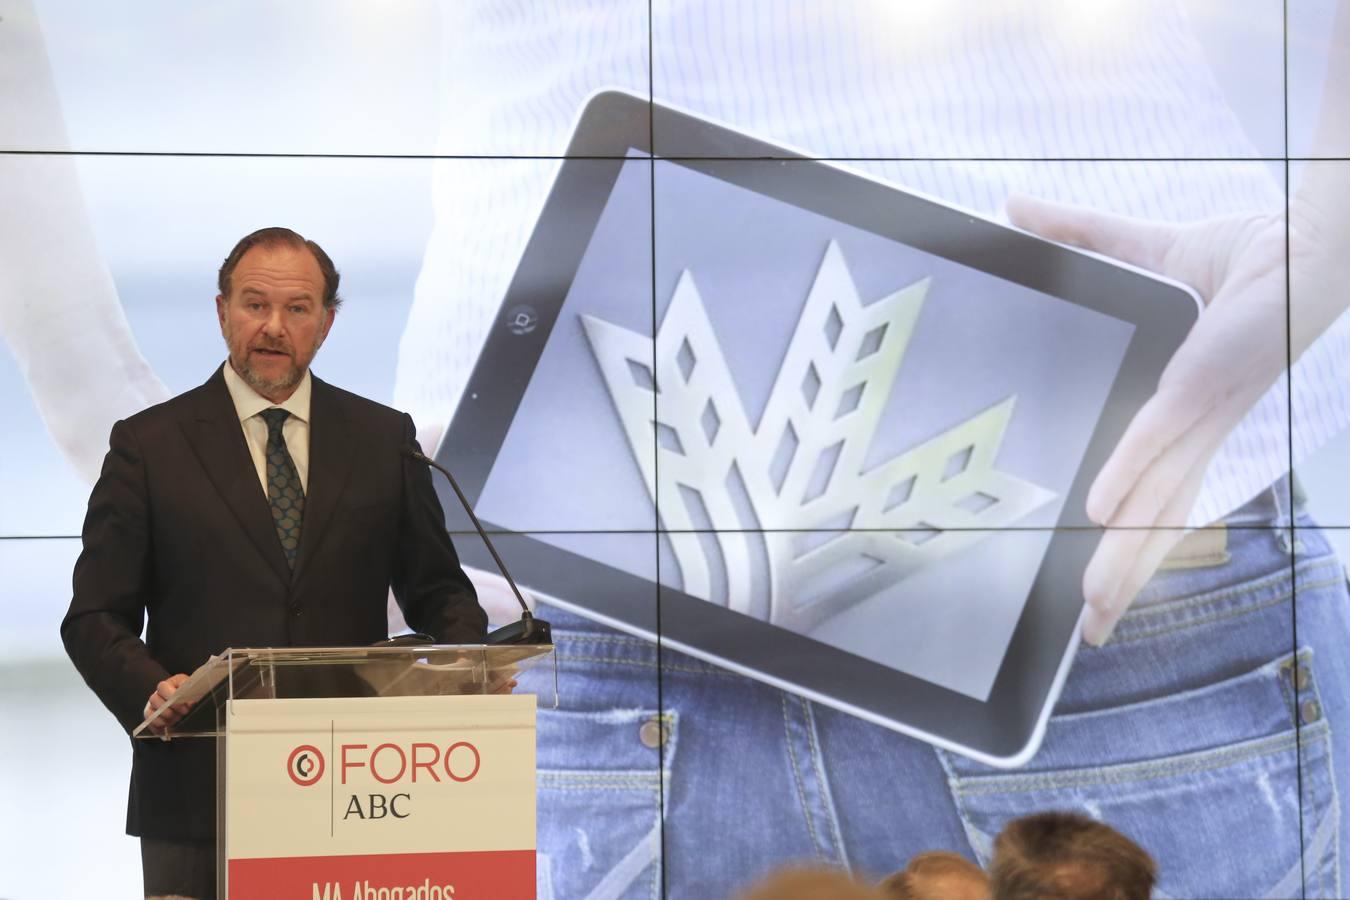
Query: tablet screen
x=903, y=429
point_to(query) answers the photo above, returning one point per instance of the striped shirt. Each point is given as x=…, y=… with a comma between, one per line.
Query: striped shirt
x=965, y=102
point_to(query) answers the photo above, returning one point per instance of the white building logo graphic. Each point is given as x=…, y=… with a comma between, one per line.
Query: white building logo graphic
x=800, y=473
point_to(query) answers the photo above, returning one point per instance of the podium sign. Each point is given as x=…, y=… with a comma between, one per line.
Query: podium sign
x=414, y=798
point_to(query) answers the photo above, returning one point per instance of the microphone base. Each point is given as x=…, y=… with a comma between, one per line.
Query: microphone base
x=528, y=630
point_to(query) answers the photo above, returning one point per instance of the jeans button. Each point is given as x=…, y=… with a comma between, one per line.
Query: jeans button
x=651, y=734
x=1302, y=678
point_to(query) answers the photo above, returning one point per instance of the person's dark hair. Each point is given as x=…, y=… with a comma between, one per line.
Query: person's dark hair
x=281, y=237
x=1066, y=856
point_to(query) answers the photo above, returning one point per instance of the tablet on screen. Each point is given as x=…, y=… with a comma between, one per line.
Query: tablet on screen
x=857, y=424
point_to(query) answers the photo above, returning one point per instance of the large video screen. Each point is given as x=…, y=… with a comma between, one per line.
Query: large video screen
x=418, y=144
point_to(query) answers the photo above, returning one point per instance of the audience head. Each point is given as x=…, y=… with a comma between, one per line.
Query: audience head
x=937, y=875
x=1065, y=856
x=811, y=884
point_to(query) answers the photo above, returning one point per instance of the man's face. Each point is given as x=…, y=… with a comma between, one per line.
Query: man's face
x=274, y=319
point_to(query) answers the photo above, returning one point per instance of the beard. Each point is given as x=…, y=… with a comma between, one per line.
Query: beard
x=264, y=386
x=261, y=383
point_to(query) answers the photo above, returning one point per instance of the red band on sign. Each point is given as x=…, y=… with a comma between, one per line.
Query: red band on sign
x=500, y=874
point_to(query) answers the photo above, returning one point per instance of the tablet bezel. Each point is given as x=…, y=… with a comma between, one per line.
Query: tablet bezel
x=614, y=126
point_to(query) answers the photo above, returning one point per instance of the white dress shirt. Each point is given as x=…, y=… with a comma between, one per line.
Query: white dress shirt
x=294, y=431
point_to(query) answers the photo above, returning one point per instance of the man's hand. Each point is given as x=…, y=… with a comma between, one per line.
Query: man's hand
x=164, y=692
x=1236, y=350
x=504, y=686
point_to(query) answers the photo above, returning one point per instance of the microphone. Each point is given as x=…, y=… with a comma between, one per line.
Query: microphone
x=528, y=630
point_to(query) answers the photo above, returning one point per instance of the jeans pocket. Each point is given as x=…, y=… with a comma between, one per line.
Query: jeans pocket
x=600, y=778
x=1229, y=787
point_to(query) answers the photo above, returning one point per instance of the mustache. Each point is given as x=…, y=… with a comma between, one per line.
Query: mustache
x=277, y=346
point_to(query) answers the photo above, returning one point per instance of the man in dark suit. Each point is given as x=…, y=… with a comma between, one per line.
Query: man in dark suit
x=262, y=509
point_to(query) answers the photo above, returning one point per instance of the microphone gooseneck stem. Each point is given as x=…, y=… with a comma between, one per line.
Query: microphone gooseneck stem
x=464, y=502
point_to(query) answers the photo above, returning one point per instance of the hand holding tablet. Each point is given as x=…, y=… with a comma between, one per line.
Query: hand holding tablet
x=1228, y=361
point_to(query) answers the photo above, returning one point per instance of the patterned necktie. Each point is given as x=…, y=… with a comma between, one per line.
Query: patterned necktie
x=284, y=491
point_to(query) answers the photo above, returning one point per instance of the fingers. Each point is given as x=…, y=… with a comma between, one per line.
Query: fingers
x=1145, y=501
x=168, y=686
x=165, y=719
x=1131, y=494
x=1168, y=416
x=1139, y=243
x=165, y=690
x=162, y=697
x=1189, y=417
x=1144, y=551
x=1127, y=558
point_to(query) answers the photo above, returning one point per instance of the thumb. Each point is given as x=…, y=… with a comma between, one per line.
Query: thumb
x=1134, y=241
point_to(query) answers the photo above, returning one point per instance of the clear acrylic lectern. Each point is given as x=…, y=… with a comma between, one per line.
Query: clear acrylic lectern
x=343, y=770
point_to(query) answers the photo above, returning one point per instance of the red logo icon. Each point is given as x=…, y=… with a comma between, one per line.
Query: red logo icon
x=305, y=765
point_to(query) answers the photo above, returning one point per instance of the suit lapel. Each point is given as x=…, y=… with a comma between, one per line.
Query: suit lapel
x=331, y=450
x=216, y=437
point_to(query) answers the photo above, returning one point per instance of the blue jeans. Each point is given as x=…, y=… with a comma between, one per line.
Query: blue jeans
x=1193, y=731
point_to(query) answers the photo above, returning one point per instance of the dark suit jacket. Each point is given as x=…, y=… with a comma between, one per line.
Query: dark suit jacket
x=179, y=527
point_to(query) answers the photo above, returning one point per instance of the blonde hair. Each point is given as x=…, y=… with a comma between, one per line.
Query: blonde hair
x=936, y=874
x=804, y=883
